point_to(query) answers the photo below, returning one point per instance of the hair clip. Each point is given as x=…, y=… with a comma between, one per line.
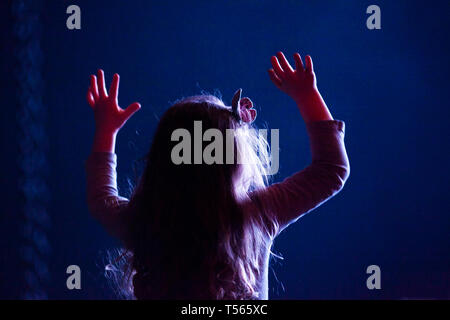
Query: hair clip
x=242, y=108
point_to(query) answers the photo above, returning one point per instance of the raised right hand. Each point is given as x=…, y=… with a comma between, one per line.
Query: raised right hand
x=295, y=83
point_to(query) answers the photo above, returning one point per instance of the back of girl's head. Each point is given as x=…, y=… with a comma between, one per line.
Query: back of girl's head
x=189, y=229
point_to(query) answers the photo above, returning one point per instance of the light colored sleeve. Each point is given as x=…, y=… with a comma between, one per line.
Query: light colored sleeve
x=322, y=179
x=103, y=198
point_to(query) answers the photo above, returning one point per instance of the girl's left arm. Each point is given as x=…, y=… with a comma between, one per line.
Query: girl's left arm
x=103, y=198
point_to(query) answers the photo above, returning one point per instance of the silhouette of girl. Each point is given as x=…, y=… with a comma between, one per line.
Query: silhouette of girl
x=204, y=231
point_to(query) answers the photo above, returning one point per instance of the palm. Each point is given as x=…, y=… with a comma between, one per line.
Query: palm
x=292, y=82
x=108, y=115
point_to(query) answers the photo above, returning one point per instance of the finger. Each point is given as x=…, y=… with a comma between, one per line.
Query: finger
x=101, y=84
x=276, y=67
x=94, y=88
x=132, y=108
x=309, y=64
x=114, y=89
x=298, y=62
x=284, y=63
x=274, y=78
x=90, y=98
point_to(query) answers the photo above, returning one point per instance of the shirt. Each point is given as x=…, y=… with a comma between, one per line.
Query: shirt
x=287, y=200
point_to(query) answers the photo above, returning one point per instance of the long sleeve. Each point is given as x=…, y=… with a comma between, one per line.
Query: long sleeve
x=103, y=198
x=315, y=184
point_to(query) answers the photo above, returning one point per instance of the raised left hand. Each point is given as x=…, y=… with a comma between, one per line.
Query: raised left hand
x=109, y=117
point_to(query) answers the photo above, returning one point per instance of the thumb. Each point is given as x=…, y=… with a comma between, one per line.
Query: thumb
x=132, y=108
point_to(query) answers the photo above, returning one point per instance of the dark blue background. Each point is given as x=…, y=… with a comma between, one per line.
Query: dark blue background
x=390, y=86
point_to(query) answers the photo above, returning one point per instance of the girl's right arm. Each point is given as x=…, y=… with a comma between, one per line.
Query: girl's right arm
x=329, y=169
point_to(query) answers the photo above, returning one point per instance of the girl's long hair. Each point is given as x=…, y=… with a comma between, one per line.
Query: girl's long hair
x=190, y=237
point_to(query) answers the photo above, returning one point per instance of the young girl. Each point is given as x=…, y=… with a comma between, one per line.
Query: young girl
x=204, y=231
